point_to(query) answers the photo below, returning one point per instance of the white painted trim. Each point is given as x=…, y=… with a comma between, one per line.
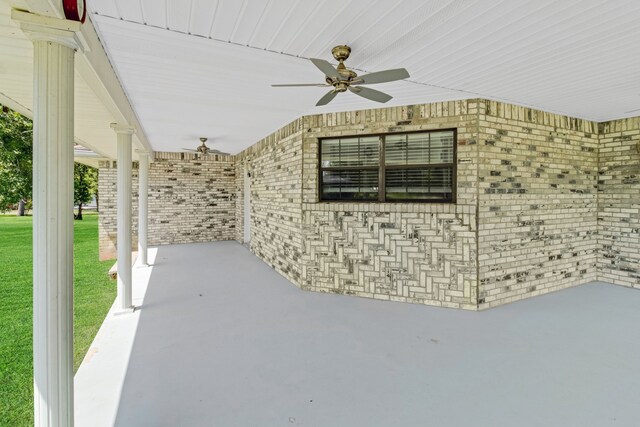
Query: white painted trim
x=95, y=68
x=91, y=147
x=15, y=105
x=38, y=27
x=123, y=129
x=51, y=8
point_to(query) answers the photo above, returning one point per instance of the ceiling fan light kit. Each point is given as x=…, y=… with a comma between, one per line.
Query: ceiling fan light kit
x=343, y=79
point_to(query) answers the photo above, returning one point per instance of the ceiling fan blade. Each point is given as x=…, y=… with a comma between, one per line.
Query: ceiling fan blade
x=326, y=68
x=189, y=149
x=382, y=77
x=373, y=95
x=327, y=98
x=302, y=84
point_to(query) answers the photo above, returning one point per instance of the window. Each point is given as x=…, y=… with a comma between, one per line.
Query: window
x=404, y=167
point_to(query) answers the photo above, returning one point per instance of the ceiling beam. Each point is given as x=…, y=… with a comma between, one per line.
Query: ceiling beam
x=52, y=8
x=25, y=111
x=95, y=68
x=15, y=106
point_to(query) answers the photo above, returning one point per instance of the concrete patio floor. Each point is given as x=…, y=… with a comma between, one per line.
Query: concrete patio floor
x=220, y=339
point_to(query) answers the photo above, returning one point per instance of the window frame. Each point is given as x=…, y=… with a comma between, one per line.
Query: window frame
x=382, y=167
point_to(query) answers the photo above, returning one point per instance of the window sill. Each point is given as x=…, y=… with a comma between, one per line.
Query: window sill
x=429, y=207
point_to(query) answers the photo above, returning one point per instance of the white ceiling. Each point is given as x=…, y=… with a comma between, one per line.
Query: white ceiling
x=197, y=68
x=92, y=117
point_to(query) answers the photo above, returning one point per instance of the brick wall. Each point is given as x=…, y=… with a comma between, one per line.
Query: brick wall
x=418, y=252
x=544, y=202
x=525, y=222
x=107, y=219
x=190, y=200
x=423, y=253
x=537, y=202
x=619, y=202
x=275, y=164
x=239, y=192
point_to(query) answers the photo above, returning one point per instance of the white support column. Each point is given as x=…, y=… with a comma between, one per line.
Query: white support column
x=54, y=44
x=123, y=243
x=143, y=213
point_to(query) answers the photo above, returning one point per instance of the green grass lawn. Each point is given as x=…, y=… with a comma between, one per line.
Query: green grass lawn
x=94, y=293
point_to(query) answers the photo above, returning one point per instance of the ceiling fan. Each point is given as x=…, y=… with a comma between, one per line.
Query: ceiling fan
x=204, y=150
x=343, y=79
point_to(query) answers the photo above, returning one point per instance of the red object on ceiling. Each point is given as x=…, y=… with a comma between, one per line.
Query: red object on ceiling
x=71, y=11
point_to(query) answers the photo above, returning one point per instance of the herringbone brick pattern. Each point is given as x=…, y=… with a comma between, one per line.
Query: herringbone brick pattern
x=418, y=257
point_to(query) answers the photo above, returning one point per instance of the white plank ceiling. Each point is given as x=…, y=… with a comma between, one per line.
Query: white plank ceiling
x=16, y=87
x=197, y=68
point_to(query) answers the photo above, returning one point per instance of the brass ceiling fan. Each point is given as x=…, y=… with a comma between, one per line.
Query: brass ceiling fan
x=343, y=79
x=204, y=150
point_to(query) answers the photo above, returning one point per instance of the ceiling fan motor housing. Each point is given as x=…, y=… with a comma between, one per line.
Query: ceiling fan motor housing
x=341, y=53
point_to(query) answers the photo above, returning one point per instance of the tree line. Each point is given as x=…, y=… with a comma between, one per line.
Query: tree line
x=16, y=167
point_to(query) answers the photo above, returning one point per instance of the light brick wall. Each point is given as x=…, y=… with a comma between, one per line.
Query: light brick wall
x=414, y=252
x=239, y=191
x=190, y=200
x=619, y=202
x=411, y=253
x=532, y=215
x=107, y=219
x=275, y=164
x=423, y=253
x=525, y=222
x=537, y=202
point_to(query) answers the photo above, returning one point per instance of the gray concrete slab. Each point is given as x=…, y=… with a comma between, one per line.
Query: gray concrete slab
x=223, y=340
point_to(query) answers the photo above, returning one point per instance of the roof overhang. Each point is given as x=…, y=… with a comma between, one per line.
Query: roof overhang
x=100, y=98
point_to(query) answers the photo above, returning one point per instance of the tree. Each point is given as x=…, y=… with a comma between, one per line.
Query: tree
x=85, y=185
x=16, y=153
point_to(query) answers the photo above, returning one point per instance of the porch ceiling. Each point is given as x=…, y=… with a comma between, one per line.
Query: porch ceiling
x=204, y=68
x=16, y=85
x=96, y=103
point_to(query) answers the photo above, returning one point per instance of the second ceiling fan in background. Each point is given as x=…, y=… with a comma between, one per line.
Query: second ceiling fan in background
x=204, y=150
